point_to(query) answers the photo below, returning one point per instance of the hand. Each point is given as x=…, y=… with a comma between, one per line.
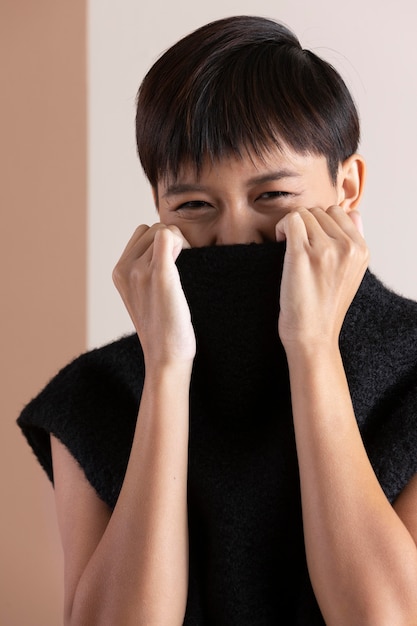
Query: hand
x=325, y=260
x=148, y=281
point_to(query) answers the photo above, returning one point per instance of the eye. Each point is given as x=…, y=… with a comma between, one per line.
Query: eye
x=193, y=204
x=272, y=195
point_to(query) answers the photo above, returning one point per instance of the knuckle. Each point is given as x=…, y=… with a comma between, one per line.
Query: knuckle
x=141, y=229
x=326, y=254
x=293, y=216
x=316, y=210
x=365, y=253
x=349, y=247
x=124, y=275
x=135, y=274
x=334, y=208
x=116, y=274
x=354, y=252
x=174, y=229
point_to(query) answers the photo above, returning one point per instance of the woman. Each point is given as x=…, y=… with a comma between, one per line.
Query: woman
x=249, y=459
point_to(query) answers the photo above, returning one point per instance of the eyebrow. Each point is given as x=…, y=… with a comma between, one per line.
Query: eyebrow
x=178, y=188
x=273, y=176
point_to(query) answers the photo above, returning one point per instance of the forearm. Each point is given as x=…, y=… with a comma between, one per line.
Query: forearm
x=362, y=560
x=138, y=573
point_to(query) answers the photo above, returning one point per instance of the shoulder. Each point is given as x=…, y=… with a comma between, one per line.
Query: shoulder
x=91, y=406
x=379, y=348
x=116, y=363
x=380, y=331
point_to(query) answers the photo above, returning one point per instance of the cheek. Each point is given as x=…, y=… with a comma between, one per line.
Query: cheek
x=334, y=195
x=198, y=235
x=326, y=197
x=167, y=215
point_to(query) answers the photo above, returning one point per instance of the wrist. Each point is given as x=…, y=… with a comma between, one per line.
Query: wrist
x=312, y=351
x=173, y=370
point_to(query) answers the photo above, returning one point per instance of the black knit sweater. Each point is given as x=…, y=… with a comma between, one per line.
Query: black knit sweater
x=247, y=558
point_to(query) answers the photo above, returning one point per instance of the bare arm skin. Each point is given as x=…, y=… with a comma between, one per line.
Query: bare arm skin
x=130, y=566
x=361, y=551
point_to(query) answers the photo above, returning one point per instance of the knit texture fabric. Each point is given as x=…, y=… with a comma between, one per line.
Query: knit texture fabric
x=247, y=557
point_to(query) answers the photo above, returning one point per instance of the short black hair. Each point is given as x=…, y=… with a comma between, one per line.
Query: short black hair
x=241, y=84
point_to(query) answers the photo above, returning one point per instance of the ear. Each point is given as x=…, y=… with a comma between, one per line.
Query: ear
x=351, y=182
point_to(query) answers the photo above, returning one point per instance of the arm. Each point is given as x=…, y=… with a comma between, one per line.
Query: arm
x=362, y=557
x=131, y=566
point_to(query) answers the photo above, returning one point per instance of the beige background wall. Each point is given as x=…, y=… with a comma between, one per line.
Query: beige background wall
x=72, y=191
x=43, y=270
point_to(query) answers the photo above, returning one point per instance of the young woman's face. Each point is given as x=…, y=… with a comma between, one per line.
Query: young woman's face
x=241, y=200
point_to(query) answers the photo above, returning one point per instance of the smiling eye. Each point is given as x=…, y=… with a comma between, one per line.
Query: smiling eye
x=271, y=195
x=193, y=204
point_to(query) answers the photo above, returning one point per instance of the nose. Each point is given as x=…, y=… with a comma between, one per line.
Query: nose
x=239, y=226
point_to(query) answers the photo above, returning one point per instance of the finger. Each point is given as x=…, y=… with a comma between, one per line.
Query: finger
x=180, y=241
x=168, y=241
x=140, y=248
x=334, y=223
x=291, y=228
x=140, y=244
x=327, y=223
x=350, y=224
x=164, y=244
x=316, y=227
x=356, y=218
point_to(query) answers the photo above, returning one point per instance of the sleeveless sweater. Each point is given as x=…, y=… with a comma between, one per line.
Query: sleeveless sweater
x=247, y=556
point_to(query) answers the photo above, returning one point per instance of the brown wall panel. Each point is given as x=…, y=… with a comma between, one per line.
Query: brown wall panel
x=43, y=275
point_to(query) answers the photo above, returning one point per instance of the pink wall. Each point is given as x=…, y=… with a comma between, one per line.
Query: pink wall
x=43, y=276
